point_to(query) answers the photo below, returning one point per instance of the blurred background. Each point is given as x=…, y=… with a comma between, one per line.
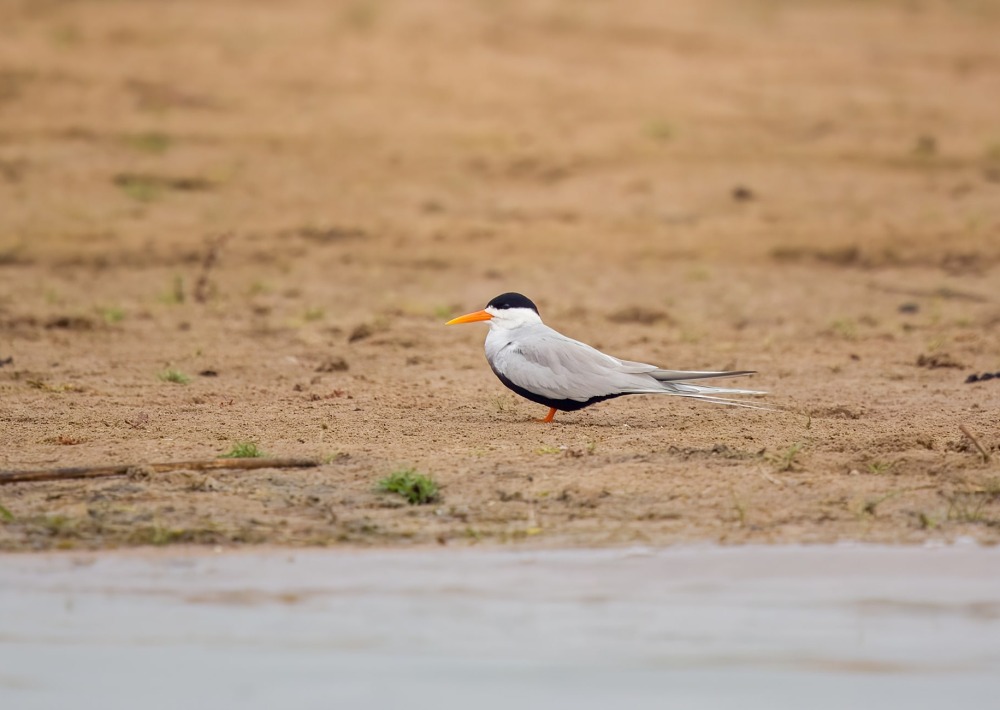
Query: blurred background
x=552, y=135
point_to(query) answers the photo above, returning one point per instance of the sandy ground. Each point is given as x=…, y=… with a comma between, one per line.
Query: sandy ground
x=295, y=196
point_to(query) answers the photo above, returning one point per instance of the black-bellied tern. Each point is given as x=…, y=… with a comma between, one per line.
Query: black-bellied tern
x=546, y=367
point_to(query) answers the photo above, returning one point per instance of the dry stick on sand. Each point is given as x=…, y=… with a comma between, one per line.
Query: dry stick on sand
x=62, y=474
x=975, y=441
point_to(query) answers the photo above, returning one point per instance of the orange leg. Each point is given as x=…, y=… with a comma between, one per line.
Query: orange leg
x=549, y=416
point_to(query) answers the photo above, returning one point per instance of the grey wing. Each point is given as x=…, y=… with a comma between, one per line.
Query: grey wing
x=557, y=367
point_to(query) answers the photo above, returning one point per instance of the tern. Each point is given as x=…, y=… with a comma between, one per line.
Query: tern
x=563, y=374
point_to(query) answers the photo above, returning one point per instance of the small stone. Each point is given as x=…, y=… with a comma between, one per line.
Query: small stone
x=938, y=360
x=333, y=364
x=972, y=378
x=360, y=333
x=986, y=376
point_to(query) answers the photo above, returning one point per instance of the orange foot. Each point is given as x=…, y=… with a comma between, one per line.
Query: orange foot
x=549, y=416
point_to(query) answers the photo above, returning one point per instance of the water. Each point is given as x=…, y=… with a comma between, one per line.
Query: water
x=686, y=627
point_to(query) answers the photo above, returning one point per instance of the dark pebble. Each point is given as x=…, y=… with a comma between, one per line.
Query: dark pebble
x=986, y=376
x=333, y=364
x=972, y=378
x=360, y=333
x=909, y=307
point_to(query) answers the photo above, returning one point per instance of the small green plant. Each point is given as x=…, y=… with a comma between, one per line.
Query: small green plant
x=140, y=188
x=5, y=515
x=936, y=343
x=970, y=505
x=243, y=450
x=175, y=376
x=150, y=142
x=111, y=315
x=739, y=506
x=175, y=295
x=786, y=460
x=442, y=312
x=844, y=328
x=548, y=450
x=926, y=522
x=416, y=488
x=259, y=288
x=877, y=468
x=314, y=314
x=659, y=130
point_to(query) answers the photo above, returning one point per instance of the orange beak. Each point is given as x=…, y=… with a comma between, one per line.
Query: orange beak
x=470, y=318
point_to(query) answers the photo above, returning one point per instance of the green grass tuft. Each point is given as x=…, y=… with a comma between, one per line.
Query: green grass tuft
x=112, y=314
x=243, y=450
x=175, y=295
x=140, y=188
x=175, y=376
x=416, y=488
x=150, y=142
x=314, y=314
x=879, y=467
x=442, y=312
x=659, y=130
x=787, y=460
x=5, y=515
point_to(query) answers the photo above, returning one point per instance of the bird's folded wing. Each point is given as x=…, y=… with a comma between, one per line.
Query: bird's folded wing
x=558, y=367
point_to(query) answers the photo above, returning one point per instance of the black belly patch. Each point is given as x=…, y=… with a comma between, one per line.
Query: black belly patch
x=563, y=405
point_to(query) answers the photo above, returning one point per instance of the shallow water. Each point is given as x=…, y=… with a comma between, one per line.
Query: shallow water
x=685, y=627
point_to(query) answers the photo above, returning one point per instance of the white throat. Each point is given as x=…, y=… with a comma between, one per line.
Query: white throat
x=509, y=318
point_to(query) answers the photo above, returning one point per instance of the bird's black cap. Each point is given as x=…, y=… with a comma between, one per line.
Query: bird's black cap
x=511, y=300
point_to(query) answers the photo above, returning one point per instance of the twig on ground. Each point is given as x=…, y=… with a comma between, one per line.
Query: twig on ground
x=62, y=474
x=975, y=441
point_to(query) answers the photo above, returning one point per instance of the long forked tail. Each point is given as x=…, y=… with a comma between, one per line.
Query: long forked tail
x=674, y=382
x=675, y=375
